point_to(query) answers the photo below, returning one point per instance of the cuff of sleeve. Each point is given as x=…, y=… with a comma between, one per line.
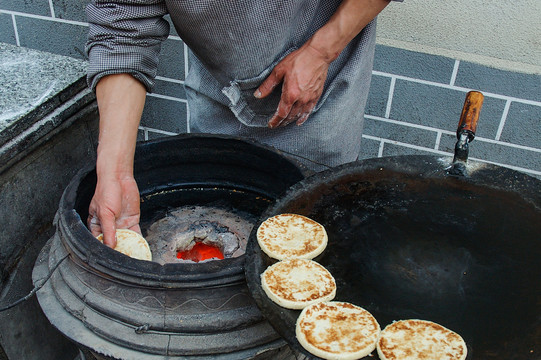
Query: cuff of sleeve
x=104, y=61
x=92, y=80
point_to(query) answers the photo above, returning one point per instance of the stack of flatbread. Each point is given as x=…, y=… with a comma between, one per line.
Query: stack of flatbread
x=296, y=281
x=332, y=330
x=338, y=330
x=130, y=243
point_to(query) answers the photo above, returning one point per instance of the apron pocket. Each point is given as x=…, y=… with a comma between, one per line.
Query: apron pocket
x=255, y=112
x=247, y=108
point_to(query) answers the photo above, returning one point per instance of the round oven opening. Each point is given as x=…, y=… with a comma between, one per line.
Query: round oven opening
x=196, y=191
x=197, y=233
x=180, y=224
x=227, y=180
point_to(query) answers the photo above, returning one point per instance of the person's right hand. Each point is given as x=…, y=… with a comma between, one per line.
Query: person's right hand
x=115, y=205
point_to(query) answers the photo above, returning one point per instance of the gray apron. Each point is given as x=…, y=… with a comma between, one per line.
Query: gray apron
x=220, y=83
x=235, y=46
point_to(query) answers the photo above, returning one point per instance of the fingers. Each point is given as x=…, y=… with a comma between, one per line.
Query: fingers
x=282, y=115
x=289, y=107
x=302, y=77
x=94, y=225
x=302, y=118
x=270, y=83
x=115, y=205
x=107, y=227
x=137, y=229
x=304, y=112
x=287, y=114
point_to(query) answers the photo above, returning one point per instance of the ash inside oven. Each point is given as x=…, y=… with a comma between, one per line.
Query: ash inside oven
x=183, y=228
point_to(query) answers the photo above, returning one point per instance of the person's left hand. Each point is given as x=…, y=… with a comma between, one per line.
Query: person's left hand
x=302, y=74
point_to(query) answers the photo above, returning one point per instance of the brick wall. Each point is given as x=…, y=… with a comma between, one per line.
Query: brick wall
x=414, y=104
x=416, y=99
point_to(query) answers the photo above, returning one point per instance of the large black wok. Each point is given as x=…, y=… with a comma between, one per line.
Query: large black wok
x=447, y=240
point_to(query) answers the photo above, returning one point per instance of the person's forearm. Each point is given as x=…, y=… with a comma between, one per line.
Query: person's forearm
x=348, y=21
x=121, y=99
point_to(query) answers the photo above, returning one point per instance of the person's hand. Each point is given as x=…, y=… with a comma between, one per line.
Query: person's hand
x=304, y=71
x=302, y=75
x=115, y=205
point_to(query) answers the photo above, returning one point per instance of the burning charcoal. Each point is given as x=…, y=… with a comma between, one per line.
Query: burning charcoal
x=176, y=234
x=182, y=240
x=203, y=230
x=230, y=243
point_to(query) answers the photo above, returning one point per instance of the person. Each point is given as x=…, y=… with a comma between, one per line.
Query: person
x=256, y=67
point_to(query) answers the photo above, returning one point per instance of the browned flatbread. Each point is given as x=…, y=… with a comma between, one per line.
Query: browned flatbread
x=297, y=283
x=420, y=339
x=337, y=330
x=130, y=243
x=288, y=236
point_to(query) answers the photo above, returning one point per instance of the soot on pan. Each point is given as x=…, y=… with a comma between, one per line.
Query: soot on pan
x=198, y=233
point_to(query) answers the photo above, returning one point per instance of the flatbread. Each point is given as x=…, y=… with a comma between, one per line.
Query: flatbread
x=288, y=236
x=297, y=283
x=420, y=339
x=337, y=330
x=130, y=243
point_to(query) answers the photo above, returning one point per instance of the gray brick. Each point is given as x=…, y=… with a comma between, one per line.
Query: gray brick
x=405, y=134
x=172, y=59
x=441, y=108
x=37, y=7
x=378, y=96
x=497, y=153
x=523, y=86
x=369, y=149
x=523, y=125
x=61, y=38
x=7, y=33
x=165, y=115
x=447, y=143
x=395, y=150
x=70, y=9
x=170, y=89
x=413, y=64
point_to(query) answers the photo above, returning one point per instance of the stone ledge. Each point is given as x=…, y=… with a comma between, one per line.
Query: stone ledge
x=35, y=86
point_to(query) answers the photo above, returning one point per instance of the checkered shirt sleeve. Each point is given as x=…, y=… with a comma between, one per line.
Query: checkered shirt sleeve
x=125, y=36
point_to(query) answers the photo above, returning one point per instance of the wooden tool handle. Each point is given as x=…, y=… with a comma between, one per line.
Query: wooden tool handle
x=470, y=114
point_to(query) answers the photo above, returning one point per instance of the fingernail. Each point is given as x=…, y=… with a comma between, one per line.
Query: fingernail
x=257, y=94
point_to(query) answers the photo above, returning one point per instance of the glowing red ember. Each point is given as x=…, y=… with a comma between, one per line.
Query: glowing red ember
x=200, y=252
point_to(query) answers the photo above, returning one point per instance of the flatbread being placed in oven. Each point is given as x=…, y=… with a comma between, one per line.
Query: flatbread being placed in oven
x=420, y=339
x=337, y=330
x=130, y=243
x=288, y=236
x=297, y=283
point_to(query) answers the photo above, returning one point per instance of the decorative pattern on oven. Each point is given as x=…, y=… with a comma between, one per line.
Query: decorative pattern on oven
x=206, y=306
